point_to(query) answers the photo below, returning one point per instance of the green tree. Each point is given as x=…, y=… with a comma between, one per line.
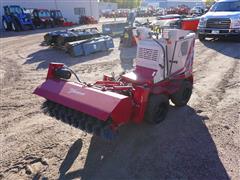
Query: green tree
x=209, y=3
x=126, y=3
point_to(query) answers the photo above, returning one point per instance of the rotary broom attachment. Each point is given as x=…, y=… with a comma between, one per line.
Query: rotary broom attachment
x=90, y=108
x=60, y=38
x=78, y=119
x=163, y=71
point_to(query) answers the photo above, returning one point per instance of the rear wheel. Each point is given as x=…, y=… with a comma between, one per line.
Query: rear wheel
x=201, y=37
x=157, y=108
x=182, y=96
x=32, y=27
x=52, y=24
x=15, y=26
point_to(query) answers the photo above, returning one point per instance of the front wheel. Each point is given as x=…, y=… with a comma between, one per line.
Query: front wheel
x=182, y=96
x=157, y=108
x=15, y=26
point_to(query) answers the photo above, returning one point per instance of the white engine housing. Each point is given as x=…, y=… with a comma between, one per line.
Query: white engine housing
x=177, y=47
x=142, y=32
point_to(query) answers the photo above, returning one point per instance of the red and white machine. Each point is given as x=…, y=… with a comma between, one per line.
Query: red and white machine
x=163, y=71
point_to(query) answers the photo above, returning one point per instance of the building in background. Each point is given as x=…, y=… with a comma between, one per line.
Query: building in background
x=71, y=10
x=189, y=3
x=107, y=6
x=163, y=4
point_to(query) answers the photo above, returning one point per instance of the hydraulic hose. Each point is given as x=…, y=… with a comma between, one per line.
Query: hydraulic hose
x=73, y=73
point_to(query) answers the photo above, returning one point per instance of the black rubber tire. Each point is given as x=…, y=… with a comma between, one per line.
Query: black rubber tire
x=5, y=25
x=15, y=26
x=182, y=96
x=157, y=109
x=32, y=27
x=201, y=37
x=52, y=25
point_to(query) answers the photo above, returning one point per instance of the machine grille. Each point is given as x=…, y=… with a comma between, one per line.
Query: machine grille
x=148, y=54
x=219, y=23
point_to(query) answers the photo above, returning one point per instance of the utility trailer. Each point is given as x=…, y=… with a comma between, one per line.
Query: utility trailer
x=114, y=29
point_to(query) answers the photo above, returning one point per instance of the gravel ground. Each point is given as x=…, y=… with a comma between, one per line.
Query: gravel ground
x=198, y=141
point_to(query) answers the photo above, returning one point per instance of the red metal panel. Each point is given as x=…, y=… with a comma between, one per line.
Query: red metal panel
x=52, y=67
x=140, y=98
x=190, y=24
x=94, y=102
x=123, y=111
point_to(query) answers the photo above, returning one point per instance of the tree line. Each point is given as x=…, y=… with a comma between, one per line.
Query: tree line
x=126, y=3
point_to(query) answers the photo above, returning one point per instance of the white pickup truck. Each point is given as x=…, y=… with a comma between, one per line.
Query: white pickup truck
x=223, y=19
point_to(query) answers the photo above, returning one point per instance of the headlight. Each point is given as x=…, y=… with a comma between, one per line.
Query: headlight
x=202, y=22
x=235, y=23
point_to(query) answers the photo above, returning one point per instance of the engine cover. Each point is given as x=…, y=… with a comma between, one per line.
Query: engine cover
x=150, y=55
x=173, y=54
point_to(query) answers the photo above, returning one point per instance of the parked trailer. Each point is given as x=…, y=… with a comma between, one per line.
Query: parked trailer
x=114, y=29
x=190, y=24
x=117, y=28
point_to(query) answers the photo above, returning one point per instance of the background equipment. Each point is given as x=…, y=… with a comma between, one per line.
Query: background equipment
x=117, y=28
x=57, y=17
x=86, y=47
x=42, y=18
x=59, y=38
x=15, y=19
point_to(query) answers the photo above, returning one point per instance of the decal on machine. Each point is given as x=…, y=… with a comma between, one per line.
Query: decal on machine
x=74, y=91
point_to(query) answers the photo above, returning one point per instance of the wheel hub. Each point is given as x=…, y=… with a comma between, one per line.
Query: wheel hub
x=160, y=112
x=186, y=94
x=5, y=24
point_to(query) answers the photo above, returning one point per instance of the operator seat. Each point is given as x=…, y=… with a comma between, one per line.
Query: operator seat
x=140, y=76
x=150, y=65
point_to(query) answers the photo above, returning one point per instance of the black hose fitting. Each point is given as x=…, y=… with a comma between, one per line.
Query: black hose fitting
x=63, y=73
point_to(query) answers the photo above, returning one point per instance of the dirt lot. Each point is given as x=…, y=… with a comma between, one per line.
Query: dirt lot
x=199, y=141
